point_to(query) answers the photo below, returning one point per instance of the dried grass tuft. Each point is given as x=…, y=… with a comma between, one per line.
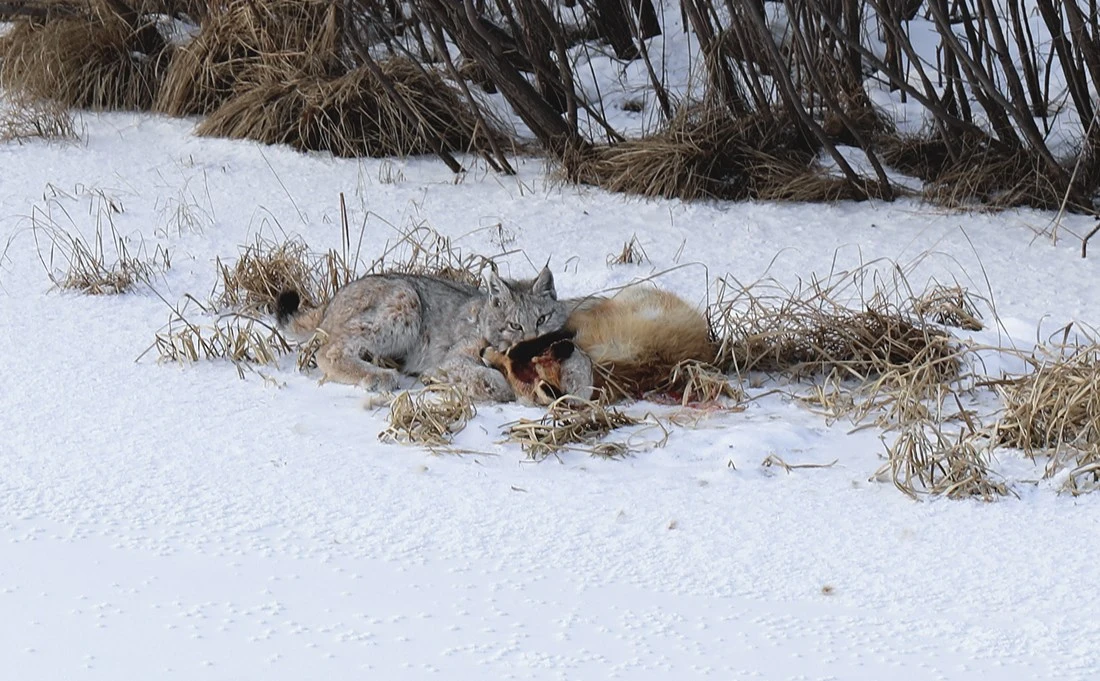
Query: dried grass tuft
x=825, y=326
x=974, y=172
x=1057, y=404
x=243, y=44
x=241, y=339
x=265, y=269
x=88, y=62
x=105, y=264
x=570, y=421
x=700, y=382
x=632, y=254
x=351, y=114
x=1055, y=411
x=28, y=118
x=704, y=153
x=950, y=306
x=941, y=465
x=430, y=416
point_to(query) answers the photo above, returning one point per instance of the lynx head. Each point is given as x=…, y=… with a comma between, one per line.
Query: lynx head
x=518, y=310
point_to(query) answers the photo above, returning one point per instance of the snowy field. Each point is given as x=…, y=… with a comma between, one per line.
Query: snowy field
x=161, y=522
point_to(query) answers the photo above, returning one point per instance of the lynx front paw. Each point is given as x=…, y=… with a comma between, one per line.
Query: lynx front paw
x=378, y=383
x=489, y=386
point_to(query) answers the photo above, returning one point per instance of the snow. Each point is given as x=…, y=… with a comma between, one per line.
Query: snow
x=160, y=521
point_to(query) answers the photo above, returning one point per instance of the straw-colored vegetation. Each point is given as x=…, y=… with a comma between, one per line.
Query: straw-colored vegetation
x=93, y=61
x=244, y=44
x=351, y=114
x=430, y=416
x=28, y=118
x=1055, y=411
x=925, y=459
x=571, y=423
x=705, y=153
x=106, y=263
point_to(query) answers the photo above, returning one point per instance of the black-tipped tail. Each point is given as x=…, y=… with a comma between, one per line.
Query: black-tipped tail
x=286, y=305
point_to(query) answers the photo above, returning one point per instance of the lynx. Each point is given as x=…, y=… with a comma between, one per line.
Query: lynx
x=424, y=326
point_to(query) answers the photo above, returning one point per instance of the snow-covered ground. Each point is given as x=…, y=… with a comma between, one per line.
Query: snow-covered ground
x=168, y=522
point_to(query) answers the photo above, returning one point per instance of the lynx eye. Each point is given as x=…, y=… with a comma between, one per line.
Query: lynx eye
x=542, y=320
x=515, y=327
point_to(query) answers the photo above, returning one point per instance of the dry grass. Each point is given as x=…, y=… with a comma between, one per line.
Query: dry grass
x=107, y=263
x=570, y=422
x=699, y=382
x=632, y=254
x=706, y=154
x=951, y=306
x=240, y=339
x=1055, y=411
x=28, y=118
x=242, y=44
x=828, y=325
x=91, y=62
x=351, y=114
x=939, y=464
x=979, y=175
x=265, y=269
x=1056, y=404
x=430, y=416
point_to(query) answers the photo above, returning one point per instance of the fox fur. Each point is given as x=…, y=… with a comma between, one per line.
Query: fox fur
x=625, y=345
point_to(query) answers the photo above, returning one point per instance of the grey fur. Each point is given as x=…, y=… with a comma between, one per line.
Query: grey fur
x=431, y=327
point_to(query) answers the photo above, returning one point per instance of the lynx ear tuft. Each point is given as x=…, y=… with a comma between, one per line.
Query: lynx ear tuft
x=544, y=284
x=498, y=288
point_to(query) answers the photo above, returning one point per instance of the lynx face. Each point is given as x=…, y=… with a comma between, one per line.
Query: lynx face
x=521, y=310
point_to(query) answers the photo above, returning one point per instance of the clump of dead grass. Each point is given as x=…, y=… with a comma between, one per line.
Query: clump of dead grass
x=704, y=153
x=107, y=263
x=700, y=382
x=240, y=339
x=266, y=268
x=571, y=423
x=28, y=118
x=1055, y=411
x=975, y=171
x=93, y=61
x=243, y=43
x=950, y=306
x=253, y=281
x=828, y=325
x=632, y=254
x=430, y=416
x=352, y=114
x=924, y=459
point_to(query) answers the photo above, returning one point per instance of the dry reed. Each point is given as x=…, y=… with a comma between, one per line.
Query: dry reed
x=243, y=43
x=351, y=114
x=28, y=118
x=430, y=416
x=89, y=62
x=568, y=422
